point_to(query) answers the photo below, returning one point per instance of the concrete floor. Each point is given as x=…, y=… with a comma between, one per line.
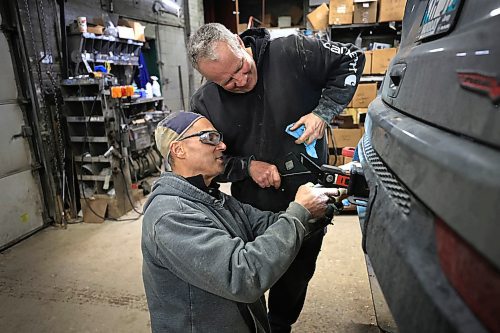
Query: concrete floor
x=87, y=278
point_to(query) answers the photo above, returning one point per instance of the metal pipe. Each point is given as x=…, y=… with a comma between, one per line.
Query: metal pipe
x=182, y=88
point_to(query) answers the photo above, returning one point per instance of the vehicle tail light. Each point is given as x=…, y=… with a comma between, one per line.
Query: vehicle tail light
x=473, y=276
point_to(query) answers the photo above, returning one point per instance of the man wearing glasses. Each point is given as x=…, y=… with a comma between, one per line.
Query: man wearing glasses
x=207, y=258
x=256, y=88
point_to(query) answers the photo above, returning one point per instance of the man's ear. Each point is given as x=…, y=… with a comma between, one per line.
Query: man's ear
x=177, y=150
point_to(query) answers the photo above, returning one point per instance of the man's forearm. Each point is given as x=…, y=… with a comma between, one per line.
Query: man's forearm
x=236, y=168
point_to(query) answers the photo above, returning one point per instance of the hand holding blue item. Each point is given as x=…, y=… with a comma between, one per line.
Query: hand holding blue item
x=310, y=148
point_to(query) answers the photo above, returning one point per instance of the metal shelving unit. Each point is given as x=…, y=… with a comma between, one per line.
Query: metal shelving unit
x=111, y=139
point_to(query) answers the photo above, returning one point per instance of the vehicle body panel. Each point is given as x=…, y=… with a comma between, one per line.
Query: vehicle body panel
x=431, y=156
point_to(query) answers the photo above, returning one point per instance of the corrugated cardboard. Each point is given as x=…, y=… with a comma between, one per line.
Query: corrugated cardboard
x=98, y=206
x=368, y=63
x=138, y=29
x=365, y=11
x=125, y=32
x=365, y=93
x=381, y=59
x=391, y=10
x=340, y=160
x=319, y=17
x=341, y=12
x=346, y=137
x=97, y=30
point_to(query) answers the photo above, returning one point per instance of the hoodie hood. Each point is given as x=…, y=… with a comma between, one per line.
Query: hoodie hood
x=171, y=184
x=258, y=39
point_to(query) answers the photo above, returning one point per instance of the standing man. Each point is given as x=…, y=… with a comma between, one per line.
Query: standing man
x=256, y=87
x=208, y=259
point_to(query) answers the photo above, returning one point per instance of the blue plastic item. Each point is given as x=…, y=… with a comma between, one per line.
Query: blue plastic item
x=310, y=148
x=100, y=68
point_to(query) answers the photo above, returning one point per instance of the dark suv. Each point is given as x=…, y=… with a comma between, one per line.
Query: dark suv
x=431, y=156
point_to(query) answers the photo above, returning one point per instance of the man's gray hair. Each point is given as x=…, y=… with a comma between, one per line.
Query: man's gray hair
x=201, y=44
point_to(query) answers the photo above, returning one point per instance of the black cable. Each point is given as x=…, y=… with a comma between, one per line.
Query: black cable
x=81, y=167
x=122, y=165
x=128, y=194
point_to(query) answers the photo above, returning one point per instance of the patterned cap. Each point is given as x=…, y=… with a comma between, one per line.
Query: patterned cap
x=172, y=128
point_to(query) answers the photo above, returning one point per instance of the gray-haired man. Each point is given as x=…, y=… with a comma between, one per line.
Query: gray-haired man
x=208, y=259
x=256, y=88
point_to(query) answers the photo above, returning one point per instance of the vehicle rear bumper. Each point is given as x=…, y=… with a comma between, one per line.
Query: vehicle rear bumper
x=399, y=237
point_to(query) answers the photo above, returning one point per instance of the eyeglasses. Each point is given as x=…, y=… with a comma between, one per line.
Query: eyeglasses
x=208, y=137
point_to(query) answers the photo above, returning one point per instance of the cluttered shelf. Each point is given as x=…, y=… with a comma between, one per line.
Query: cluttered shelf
x=393, y=25
x=106, y=38
x=142, y=101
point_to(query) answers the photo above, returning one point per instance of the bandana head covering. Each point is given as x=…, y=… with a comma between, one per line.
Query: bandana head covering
x=172, y=128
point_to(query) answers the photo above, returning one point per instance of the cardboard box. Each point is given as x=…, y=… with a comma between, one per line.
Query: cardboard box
x=391, y=10
x=331, y=160
x=242, y=27
x=346, y=137
x=96, y=205
x=125, y=32
x=365, y=93
x=341, y=12
x=368, y=63
x=365, y=11
x=138, y=29
x=319, y=17
x=284, y=21
x=381, y=59
x=97, y=30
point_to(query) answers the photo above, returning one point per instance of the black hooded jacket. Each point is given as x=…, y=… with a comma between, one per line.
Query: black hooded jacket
x=296, y=76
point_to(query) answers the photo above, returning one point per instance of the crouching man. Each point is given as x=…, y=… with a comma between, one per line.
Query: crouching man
x=208, y=258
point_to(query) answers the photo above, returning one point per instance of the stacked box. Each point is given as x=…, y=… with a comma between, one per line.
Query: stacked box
x=365, y=93
x=381, y=59
x=319, y=17
x=365, y=11
x=391, y=10
x=341, y=12
x=368, y=63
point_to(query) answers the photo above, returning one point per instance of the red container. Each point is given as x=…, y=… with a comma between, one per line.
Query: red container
x=348, y=151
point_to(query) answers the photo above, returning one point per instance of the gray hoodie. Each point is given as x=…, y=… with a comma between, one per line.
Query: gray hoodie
x=205, y=258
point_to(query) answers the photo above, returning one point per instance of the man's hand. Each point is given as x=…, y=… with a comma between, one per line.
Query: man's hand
x=315, y=199
x=314, y=128
x=264, y=174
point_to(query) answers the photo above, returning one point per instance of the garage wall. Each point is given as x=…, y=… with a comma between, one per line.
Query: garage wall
x=34, y=27
x=170, y=39
x=197, y=19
